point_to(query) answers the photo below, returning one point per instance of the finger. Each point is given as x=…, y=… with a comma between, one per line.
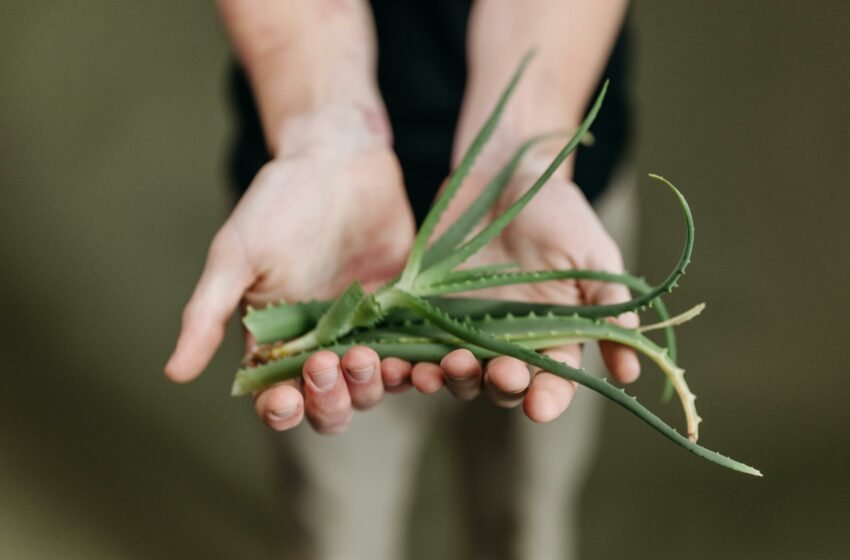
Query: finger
x=428, y=378
x=225, y=278
x=549, y=395
x=326, y=399
x=362, y=369
x=281, y=406
x=395, y=373
x=463, y=374
x=506, y=381
x=620, y=360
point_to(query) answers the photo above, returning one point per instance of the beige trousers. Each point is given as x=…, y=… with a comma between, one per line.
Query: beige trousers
x=349, y=496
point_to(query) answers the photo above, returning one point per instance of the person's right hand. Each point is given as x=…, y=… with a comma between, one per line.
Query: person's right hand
x=329, y=209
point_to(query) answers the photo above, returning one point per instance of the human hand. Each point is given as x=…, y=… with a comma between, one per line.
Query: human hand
x=557, y=230
x=329, y=209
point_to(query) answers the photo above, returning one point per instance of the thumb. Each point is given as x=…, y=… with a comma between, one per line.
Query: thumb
x=226, y=276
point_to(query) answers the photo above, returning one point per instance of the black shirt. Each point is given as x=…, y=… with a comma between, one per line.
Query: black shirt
x=421, y=74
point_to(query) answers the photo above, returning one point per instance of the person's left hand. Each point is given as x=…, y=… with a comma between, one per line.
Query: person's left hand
x=558, y=229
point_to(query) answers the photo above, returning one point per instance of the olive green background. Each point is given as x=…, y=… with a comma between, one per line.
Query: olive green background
x=113, y=127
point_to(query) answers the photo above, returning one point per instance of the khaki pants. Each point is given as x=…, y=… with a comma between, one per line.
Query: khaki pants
x=348, y=496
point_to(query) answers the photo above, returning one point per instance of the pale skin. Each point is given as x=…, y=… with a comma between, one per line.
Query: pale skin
x=330, y=206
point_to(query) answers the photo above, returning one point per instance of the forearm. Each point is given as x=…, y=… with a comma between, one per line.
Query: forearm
x=572, y=39
x=306, y=57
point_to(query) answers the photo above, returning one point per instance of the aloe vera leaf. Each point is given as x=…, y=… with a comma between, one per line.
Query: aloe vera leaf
x=414, y=261
x=284, y=320
x=548, y=331
x=476, y=211
x=436, y=271
x=649, y=298
x=479, y=271
x=473, y=214
x=579, y=329
x=477, y=307
x=265, y=326
x=290, y=320
x=354, y=308
x=532, y=332
x=490, y=280
x=667, y=392
x=460, y=283
x=419, y=341
x=515, y=327
x=476, y=337
x=473, y=306
x=255, y=378
x=679, y=319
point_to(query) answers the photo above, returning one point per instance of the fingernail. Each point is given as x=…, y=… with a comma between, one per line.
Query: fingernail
x=361, y=375
x=325, y=379
x=283, y=414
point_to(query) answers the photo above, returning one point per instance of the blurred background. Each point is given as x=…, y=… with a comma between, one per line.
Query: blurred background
x=114, y=127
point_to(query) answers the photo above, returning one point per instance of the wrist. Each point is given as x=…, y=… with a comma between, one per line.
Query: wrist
x=341, y=127
x=572, y=38
x=344, y=154
x=302, y=57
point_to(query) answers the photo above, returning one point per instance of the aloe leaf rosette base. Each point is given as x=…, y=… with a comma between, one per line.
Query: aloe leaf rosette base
x=415, y=317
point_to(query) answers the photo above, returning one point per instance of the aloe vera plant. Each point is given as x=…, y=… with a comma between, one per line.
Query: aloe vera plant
x=409, y=318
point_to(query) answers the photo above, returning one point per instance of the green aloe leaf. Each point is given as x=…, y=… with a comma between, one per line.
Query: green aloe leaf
x=476, y=211
x=437, y=271
x=354, y=308
x=414, y=261
x=549, y=331
x=478, y=338
x=284, y=320
x=256, y=378
x=383, y=320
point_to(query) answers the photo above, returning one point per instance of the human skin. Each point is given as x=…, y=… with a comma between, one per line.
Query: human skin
x=330, y=206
